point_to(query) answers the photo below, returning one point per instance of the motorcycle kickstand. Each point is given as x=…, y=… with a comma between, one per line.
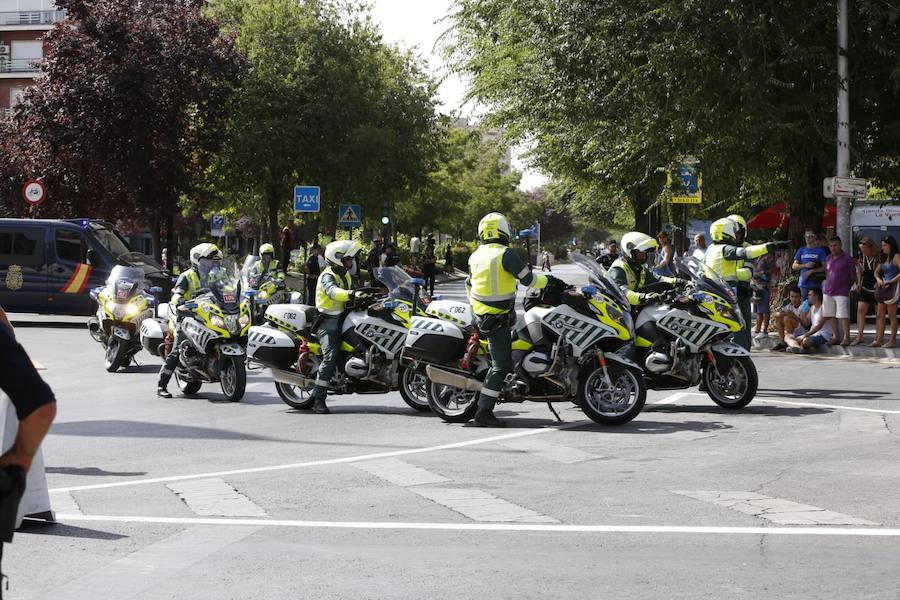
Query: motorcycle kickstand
x=553, y=410
x=134, y=360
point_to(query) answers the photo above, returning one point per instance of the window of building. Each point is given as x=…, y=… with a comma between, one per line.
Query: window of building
x=70, y=246
x=31, y=50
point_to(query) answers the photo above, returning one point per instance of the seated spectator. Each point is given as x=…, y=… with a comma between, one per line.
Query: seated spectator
x=791, y=319
x=819, y=334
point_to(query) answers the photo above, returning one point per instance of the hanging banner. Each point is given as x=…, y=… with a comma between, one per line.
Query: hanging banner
x=685, y=182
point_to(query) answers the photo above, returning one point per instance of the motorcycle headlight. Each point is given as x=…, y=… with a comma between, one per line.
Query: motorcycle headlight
x=613, y=312
x=217, y=321
x=132, y=310
x=111, y=306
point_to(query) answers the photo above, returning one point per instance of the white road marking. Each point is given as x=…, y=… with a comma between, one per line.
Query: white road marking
x=523, y=527
x=810, y=404
x=215, y=498
x=66, y=503
x=479, y=505
x=782, y=512
x=554, y=452
x=143, y=570
x=670, y=399
x=330, y=461
x=399, y=472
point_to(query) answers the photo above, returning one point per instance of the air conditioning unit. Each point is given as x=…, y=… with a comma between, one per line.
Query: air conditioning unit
x=4, y=50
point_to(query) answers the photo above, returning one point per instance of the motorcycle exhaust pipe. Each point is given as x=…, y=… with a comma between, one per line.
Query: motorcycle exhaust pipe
x=291, y=378
x=461, y=382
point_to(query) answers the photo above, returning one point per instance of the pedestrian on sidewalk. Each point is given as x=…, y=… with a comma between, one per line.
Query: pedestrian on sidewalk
x=791, y=319
x=810, y=262
x=819, y=334
x=313, y=267
x=840, y=271
x=545, y=261
x=429, y=268
x=869, y=259
x=664, y=266
x=887, y=292
x=286, y=238
x=448, y=259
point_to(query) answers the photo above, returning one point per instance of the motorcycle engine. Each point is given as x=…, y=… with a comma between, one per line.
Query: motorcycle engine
x=536, y=363
x=356, y=367
x=188, y=355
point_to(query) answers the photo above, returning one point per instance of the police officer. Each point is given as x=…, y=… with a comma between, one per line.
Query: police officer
x=204, y=258
x=494, y=271
x=631, y=273
x=333, y=289
x=268, y=264
x=727, y=256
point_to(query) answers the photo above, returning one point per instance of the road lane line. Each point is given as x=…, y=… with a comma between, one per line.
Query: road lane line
x=215, y=498
x=777, y=510
x=789, y=403
x=522, y=527
x=330, y=461
x=147, y=568
x=669, y=400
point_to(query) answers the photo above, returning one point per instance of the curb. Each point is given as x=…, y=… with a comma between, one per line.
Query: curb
x=766, y=344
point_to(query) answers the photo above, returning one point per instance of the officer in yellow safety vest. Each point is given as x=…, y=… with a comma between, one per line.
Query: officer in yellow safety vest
x=333, y=289
x=494, y=273
x=631, y=273
x=727, y=257
x=204, y=258
x=268, y=264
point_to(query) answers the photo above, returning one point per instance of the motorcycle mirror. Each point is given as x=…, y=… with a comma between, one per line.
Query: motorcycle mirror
x=249, y=293
x=391, y=304
x=589, y=290
x=437, y=297
x=417, y=281
x=156, y=290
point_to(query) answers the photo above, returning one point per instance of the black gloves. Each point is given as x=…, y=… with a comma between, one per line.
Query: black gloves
x=361, y=295
x=651, y=297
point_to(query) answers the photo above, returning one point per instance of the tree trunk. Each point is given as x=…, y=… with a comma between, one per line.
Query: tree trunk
x=156, y=240
x=807, y=205
x=641, y=199
x=171, y=240
x=273, y=203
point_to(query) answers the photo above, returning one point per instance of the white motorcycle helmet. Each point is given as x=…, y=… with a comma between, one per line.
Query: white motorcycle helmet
x=494, y=227
x=204, y=258
x=340, y=254
x=637, y=241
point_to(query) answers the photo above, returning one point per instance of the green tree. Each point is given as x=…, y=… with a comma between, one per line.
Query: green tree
x=611, y=92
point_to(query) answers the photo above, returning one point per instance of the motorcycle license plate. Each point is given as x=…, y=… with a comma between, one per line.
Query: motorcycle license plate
x=232, y=349
x=121, y=333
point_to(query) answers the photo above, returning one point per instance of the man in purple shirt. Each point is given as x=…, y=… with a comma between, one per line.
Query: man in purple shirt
x=840, y=273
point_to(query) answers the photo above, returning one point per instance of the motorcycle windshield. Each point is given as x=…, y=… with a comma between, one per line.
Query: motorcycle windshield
x=224, y=283
x=249, y=278
x=599, y=277
x=397, y=281
x=124, y=282
x=699, y=273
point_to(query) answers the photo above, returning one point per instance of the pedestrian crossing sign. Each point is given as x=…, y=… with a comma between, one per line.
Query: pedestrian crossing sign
x=350, y=215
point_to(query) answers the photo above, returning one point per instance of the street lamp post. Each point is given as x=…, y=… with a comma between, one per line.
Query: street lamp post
x=842, y=227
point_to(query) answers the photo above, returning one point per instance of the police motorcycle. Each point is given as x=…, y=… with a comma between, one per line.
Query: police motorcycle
x=564, y=350
x=267, y=289
x=216, y=323
x=122, y=306
x=686, y=338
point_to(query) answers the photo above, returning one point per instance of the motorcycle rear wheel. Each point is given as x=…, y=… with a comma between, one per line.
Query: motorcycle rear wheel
x=233, y=378
x=612, y=405
x=737, y=388
x=115, y=354
x=452, y=405
x=413, y=388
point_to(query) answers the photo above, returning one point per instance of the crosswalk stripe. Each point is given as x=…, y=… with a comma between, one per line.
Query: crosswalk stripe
x=479, y=505
x=399, y=472
x=777, y=510
x=215, y=498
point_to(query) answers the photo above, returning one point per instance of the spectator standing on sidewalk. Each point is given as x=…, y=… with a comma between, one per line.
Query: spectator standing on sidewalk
x=764, y=271
x=819, y=333
x=287, y=244
x=448, y=258
x=699, y=247
x=664, y=266
x=869, y=259
x=545, y=261
x=429, y=268
x=840, y=271
x=313, y=268
x=887, y=291
x=791, y=319
x=810, y=262
x=611, y=256
x=373, y=261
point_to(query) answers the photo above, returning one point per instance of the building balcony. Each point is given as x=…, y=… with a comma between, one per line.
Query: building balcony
x=19, y=67
x=30, y=19
x=5, y=113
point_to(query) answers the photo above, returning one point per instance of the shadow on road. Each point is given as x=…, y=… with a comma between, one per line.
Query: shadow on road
x=51, y=324
x=820, y=394
x=641, y=426
x=92, y=471
x=140, y=429
x=753, y=409
x=349, y=409
x=59, y=530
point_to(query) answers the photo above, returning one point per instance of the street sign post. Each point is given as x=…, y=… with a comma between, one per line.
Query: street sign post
x=217, y=226
x=845, y=187
x=350, y=215
x=686, y=182
x=34, y=192
x=306, y=198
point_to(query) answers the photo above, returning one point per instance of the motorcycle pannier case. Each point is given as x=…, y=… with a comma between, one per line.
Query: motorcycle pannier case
x=271, y=347
x=153, y=334
x=434, y=340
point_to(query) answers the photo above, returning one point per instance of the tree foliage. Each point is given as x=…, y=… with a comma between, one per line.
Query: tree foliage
x=611, y=92
x=128, y=108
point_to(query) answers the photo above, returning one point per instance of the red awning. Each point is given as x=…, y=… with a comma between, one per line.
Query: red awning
x=778, y=216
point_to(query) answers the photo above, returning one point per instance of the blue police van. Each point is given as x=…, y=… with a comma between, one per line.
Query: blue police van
x=50, y=266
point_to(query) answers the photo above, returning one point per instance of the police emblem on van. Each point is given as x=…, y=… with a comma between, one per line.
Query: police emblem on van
x=14, y=278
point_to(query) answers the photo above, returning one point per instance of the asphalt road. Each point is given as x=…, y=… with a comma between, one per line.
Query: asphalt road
x=793, y=497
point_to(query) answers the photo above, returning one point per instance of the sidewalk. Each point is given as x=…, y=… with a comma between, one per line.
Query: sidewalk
x=861, y=351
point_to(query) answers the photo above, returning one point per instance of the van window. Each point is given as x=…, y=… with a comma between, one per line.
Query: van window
x=70, y=246
x=22, y=247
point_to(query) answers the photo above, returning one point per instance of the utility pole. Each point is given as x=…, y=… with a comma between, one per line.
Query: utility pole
x=842, y=227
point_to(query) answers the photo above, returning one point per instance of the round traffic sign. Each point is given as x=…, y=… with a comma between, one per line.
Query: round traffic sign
x=34, y=192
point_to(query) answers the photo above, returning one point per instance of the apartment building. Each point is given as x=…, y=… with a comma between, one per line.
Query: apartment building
x=490, y=135
x=23, y=24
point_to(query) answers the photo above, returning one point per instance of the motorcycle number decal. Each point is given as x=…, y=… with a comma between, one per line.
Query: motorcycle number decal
x=291, y=316
x=228, y=297
x=460, y=310
x=122, y=294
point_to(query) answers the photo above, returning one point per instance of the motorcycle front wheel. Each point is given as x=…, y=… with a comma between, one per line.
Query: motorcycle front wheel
x=413, y=388
x=737, y=387
x=187, y=386
x=451, y=404
x=233, y=378
x=115, y=354
x=615, y=402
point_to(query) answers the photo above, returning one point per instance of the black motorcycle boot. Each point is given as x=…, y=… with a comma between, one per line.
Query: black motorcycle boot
x=162, y=392
x=319, y=407
x=486, y=418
